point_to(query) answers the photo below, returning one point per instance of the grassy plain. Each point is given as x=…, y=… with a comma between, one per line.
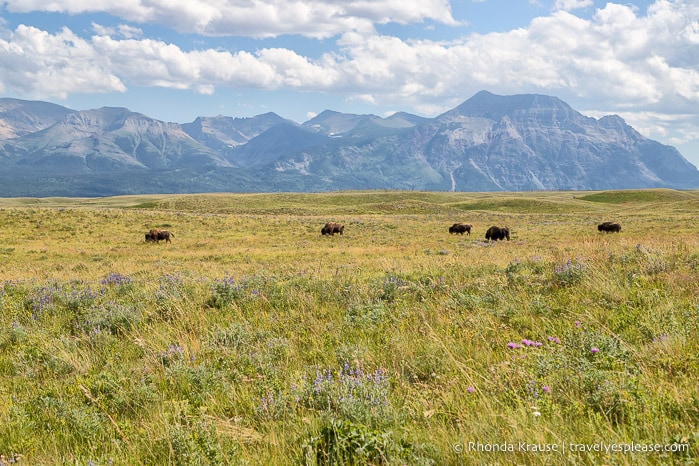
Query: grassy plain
x=252, y=339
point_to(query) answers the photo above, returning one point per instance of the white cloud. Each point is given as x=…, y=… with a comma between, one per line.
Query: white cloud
x=103, y=30
x=262, y=18
x=123, y=30
x=616, y=56
x=129, y=32
x=618, y=59
x=569, y=5
x=44, y=65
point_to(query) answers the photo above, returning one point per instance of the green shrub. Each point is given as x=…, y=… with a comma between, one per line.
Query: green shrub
x=342, y=442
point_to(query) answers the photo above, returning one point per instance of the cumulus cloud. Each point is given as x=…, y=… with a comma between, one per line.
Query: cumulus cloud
x=569, y=5
x=263, y=18
x=616, y=55
x=619, y=58
x=40, y=64
x=123, y=30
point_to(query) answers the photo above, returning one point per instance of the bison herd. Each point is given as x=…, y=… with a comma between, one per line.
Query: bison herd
x=494, y=233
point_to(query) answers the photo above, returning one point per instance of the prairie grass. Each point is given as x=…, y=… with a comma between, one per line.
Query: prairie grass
x=252, y=339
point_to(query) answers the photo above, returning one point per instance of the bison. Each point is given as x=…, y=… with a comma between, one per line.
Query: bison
x=331, y=228
x=496, y=233
x=460, y=228
x=155, y=235
x=609, y=227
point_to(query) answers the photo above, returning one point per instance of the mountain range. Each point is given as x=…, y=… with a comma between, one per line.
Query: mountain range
x=488, y=143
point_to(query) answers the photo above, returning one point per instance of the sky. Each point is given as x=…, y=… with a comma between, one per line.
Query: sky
x=176, y=60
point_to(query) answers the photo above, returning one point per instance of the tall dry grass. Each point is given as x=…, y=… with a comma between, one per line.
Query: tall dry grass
x=252, y=339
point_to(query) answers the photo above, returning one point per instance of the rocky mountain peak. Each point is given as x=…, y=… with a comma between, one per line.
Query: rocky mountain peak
x=21, y=117
x=489, y=142
x=522, y=107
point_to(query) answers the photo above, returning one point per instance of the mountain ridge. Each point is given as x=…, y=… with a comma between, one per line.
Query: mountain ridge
x=488, y=143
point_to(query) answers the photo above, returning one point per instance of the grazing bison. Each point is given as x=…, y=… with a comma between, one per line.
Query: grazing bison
x=331, y=228
x=497, y=233
x=609, y=227
x=460, y=228
x=156, y=235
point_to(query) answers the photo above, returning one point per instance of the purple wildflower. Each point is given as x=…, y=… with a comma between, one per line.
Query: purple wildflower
x=546, y=389
x=470, y=389
x=116, y=279
x=594, y=350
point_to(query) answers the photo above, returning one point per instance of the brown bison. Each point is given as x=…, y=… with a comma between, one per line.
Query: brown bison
x=460, y=228
x=155, y=235
x=331, y=228
x=609, y=227
x=495, y=233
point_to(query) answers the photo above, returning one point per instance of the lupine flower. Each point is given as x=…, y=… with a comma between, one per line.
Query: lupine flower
x=173, y=352
x=116, y=279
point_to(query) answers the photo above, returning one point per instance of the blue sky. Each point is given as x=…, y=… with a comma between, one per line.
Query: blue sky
x=175, y=60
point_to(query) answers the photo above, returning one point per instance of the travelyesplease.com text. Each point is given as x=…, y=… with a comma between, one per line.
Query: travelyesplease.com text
x=601, y=447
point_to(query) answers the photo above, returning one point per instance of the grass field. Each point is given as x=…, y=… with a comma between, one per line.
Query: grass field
x=252, y=339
